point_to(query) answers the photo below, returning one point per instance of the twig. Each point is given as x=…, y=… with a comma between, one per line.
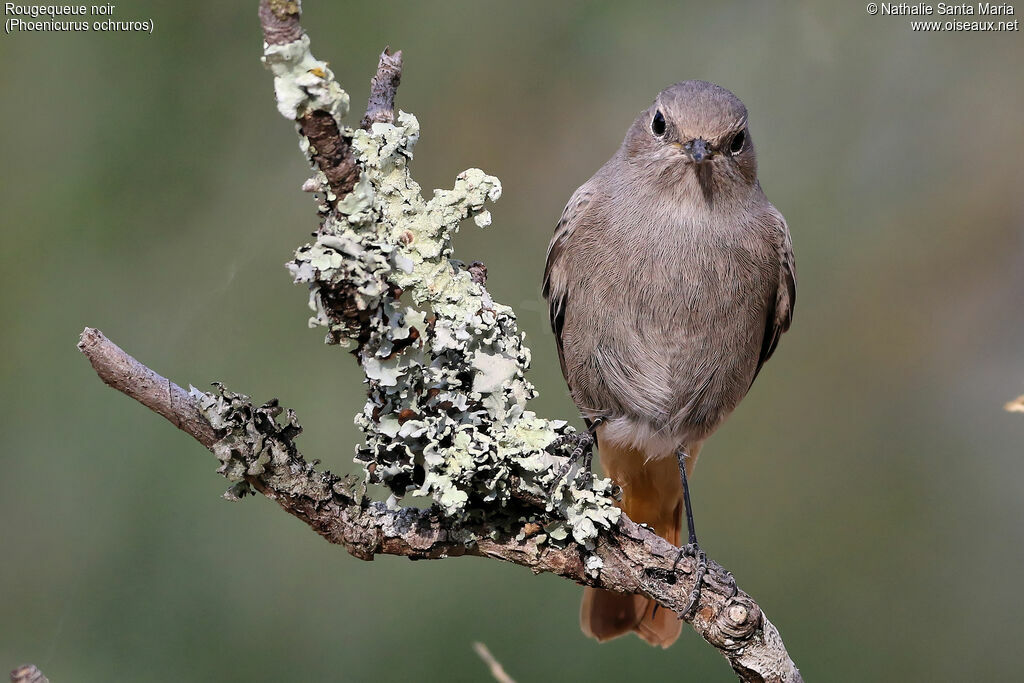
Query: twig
x=120, y=371
x=28, y=673
x=280, y=21
x=330, y=149
x=383, y=86
x=493, y=665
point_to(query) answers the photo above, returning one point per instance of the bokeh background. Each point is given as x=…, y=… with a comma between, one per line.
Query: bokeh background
x=868, y=492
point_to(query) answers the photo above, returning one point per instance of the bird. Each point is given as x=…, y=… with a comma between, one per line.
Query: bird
x=669, y=279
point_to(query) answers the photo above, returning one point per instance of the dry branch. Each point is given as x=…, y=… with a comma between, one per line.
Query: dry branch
x=626, y=557
x=381, y=106
x=497, y=671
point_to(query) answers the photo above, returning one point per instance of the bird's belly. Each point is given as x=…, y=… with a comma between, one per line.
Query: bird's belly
x=691, y=375
x=677, y=353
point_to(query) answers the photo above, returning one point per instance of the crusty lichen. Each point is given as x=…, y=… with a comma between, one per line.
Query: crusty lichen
x=254, y=444
x=446, y=415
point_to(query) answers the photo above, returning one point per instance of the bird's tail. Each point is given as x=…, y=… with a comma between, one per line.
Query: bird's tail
x=652, y=494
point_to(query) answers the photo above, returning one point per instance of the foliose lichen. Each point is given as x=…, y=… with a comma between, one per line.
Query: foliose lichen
x=446, y=415
x=303, y=83
x=255, y=443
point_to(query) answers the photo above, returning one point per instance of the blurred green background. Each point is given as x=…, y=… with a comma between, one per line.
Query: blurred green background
x=868, y=492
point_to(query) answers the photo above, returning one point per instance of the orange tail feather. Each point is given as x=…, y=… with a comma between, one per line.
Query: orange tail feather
x=651, y=494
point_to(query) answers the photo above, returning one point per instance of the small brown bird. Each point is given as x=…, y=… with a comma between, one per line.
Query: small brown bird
x=669, y=280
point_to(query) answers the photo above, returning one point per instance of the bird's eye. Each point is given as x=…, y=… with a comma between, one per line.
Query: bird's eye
x=738, y=140
x=658, y=124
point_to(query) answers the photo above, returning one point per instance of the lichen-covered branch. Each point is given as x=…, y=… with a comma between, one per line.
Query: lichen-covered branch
x=257, y=450
x=445, y=366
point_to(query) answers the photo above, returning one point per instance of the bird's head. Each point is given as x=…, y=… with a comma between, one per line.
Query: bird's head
x=694, y=136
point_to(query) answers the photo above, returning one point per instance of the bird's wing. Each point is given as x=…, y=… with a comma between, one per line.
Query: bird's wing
x=556, y=281
x=780, y=310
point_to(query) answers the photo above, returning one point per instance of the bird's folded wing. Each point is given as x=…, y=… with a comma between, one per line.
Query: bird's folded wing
x=780, y=311
x=556, y=281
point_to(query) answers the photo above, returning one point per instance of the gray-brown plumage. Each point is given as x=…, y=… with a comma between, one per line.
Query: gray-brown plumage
x=669, y=279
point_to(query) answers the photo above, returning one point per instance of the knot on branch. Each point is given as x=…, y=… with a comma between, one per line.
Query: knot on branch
x=735, y=623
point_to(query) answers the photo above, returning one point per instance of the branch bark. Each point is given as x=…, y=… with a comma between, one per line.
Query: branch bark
x=383, y=87
x=627, y=557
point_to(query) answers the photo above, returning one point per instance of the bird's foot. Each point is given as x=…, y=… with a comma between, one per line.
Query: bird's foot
x=701, y=563
x=727, y=579
x=584, y=449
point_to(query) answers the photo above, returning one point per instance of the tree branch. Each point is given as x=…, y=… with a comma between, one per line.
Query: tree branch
x=446, y=414
x=635, y=560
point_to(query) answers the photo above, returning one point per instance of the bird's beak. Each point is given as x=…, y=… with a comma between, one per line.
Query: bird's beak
x=698, y=150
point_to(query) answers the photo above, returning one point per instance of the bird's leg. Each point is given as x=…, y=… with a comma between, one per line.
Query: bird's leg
x=584, y=449
x=691, y=548
x=588, y=460
x=586, y=472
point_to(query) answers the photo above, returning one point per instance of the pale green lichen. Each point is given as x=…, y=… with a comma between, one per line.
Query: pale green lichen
x=446, y=415
x=303, y=83
x=253, y=443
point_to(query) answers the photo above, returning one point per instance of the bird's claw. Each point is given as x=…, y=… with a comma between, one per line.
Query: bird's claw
x=701, y=561
x=729, y=580
x=584, y=449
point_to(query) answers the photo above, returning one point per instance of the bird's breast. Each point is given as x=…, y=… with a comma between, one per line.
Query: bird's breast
x=681, y=317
